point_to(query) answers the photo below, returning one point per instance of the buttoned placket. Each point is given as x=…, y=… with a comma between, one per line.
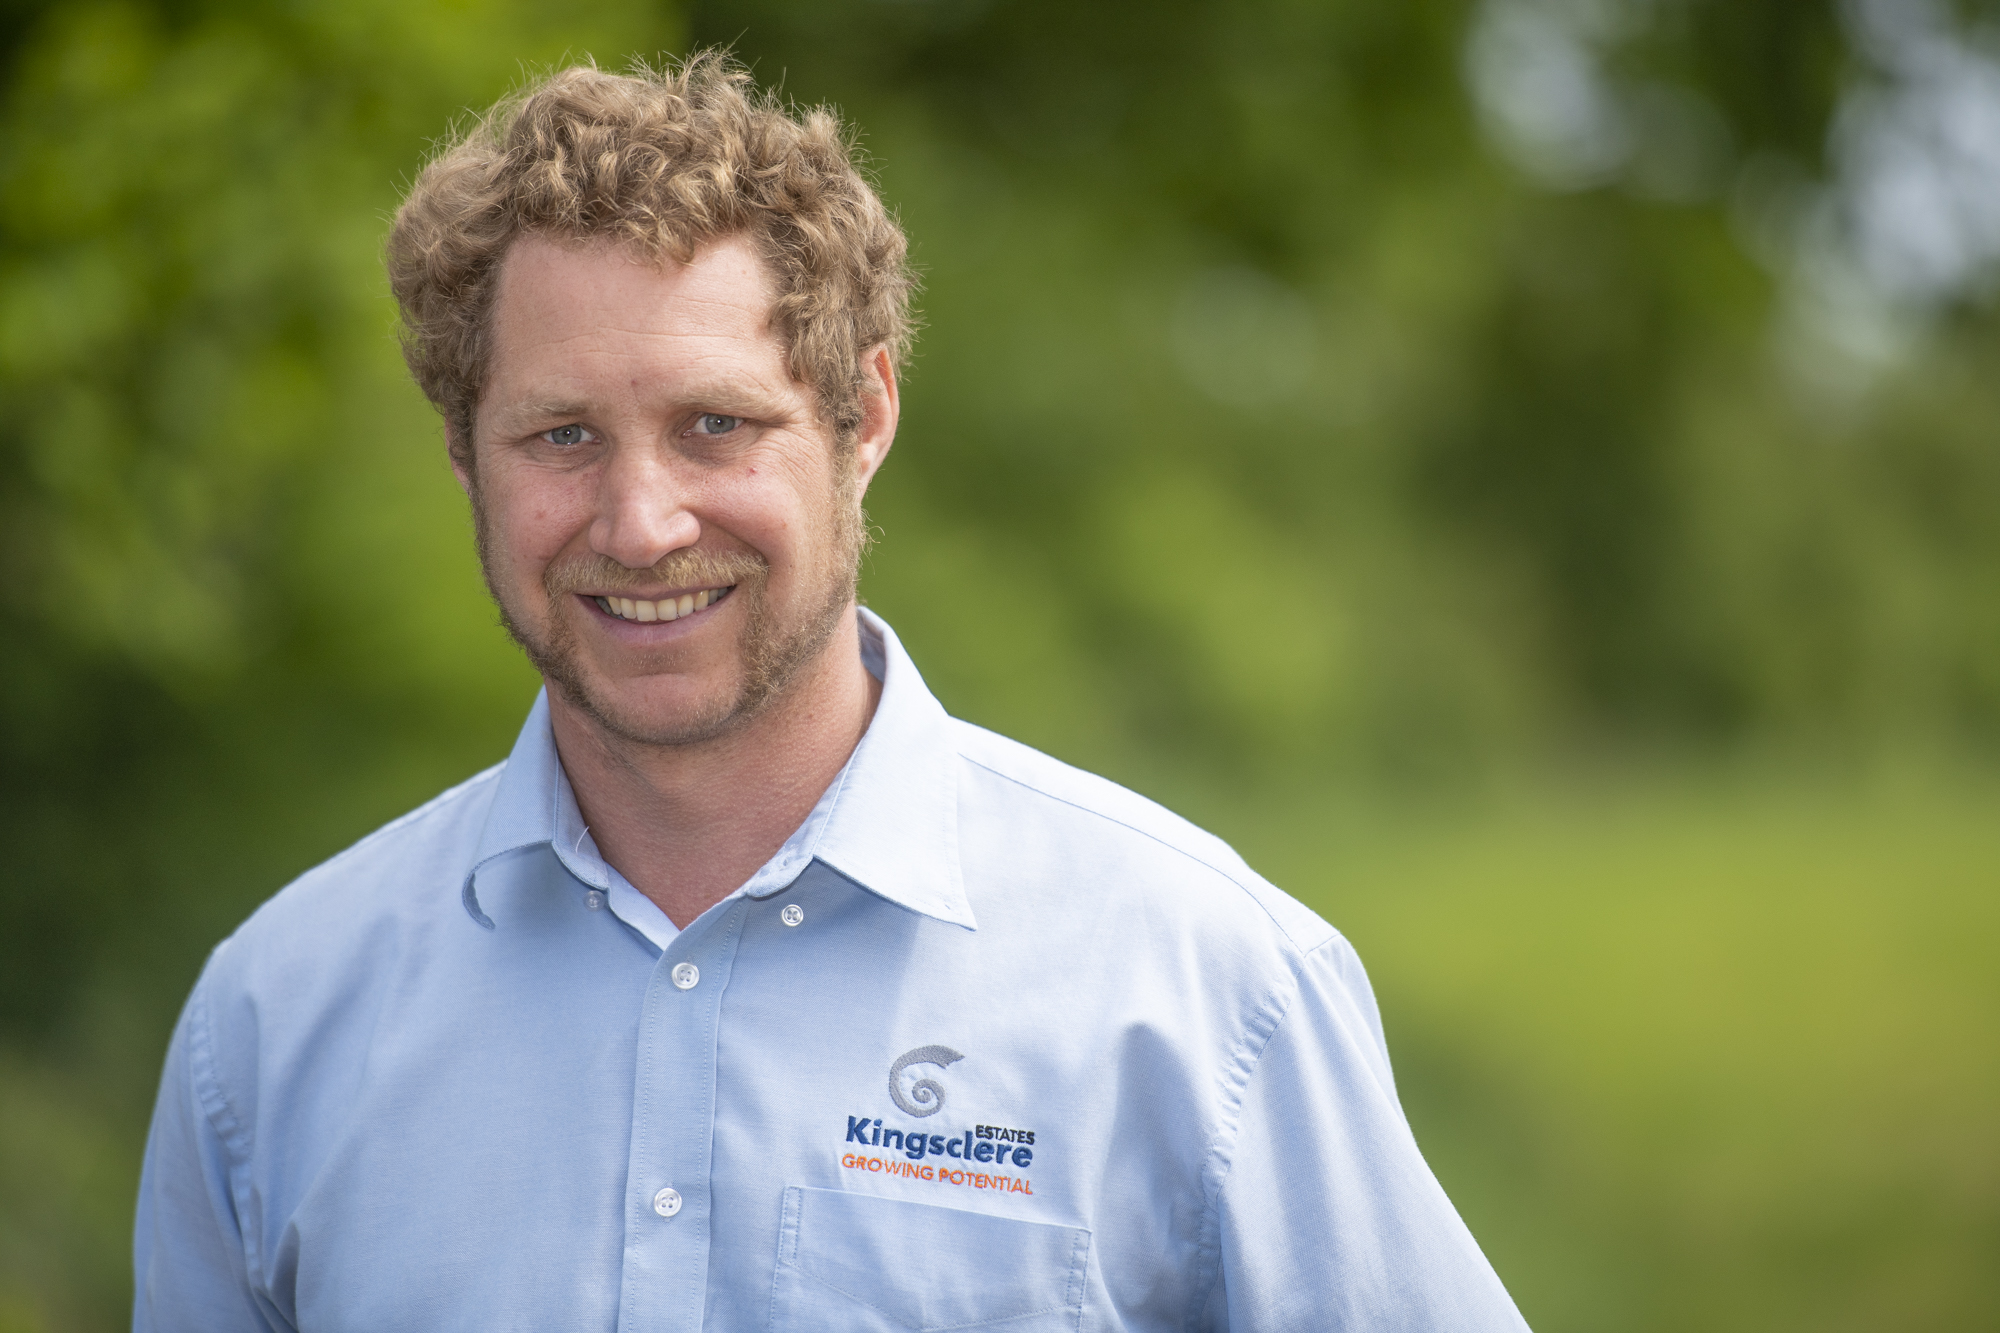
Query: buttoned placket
x=667, y=1192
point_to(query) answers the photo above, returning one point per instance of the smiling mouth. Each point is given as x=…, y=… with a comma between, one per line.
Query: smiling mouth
x=667, y=608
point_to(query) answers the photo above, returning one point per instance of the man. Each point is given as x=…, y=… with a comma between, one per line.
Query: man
x=753, y=991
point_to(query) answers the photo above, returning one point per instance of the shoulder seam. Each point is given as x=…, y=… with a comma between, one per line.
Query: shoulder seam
x=208, y=1089
x=1222, y=1150
x=1243, y=888
x=236, y=1138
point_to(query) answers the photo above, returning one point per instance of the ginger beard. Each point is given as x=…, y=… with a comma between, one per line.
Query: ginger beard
x=772, y=650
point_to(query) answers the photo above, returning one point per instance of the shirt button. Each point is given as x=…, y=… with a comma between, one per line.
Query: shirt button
x=594, y=901
x=667, y=1202
x=792, y=915
x=685, y=976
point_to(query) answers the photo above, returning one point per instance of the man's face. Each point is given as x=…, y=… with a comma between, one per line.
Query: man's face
x=668, y=529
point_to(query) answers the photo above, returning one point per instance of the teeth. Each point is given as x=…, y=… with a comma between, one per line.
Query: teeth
x=668, y=608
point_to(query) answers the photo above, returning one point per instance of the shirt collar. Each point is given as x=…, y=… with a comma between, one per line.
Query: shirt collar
x=893, y=824
x=888, y=822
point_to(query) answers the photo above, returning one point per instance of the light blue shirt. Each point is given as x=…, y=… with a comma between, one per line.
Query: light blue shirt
x=989, y=1041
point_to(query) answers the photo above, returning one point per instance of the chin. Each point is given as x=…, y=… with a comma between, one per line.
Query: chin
x=644, y=716
x=653, y=709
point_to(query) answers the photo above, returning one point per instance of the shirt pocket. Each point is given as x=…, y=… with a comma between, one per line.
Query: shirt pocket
x=856, y=1263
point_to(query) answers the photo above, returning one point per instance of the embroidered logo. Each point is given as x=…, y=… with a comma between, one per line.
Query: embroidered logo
x=926, y=1095
x=979, y=1150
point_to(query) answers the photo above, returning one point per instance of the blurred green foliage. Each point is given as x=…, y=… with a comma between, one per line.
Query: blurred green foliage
x=1716, y=1056
x=1276, y=445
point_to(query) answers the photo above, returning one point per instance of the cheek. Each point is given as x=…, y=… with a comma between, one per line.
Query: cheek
x=533, y=523
x=762, y=511
x=799, y=500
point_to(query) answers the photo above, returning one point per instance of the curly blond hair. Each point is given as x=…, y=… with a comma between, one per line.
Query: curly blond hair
x=663, y=161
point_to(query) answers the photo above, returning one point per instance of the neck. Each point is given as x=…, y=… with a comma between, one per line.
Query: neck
x=687, y=824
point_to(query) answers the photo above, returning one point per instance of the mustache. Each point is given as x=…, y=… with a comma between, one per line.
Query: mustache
x=676, y=569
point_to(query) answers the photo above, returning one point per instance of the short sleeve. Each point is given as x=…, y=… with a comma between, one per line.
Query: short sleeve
x=189, y=1269
x=1329, y=1217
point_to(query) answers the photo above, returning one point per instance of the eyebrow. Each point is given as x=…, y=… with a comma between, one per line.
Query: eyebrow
x=728, y=393
x=537, y=413
x=548, y=407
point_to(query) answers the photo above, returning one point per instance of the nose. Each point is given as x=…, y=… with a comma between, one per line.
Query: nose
x=642, y=512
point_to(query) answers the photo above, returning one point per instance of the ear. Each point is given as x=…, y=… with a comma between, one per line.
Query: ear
x=880, y=409
x=459, y=450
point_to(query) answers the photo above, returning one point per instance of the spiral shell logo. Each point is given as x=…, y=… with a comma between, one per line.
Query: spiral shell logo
x=926, y=1095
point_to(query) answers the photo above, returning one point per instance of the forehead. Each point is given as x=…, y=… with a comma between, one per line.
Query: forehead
x=567, y=308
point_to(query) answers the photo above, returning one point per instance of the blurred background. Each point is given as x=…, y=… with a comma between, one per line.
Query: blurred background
x=1523, y=470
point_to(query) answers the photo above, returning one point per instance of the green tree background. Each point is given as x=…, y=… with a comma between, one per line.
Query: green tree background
x=1514, y=467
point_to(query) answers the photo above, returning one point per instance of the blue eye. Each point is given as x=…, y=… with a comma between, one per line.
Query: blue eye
x=567, y=435
x=714, y=423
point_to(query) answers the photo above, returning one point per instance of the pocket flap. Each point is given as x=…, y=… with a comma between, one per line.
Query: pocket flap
x=934, y=1268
